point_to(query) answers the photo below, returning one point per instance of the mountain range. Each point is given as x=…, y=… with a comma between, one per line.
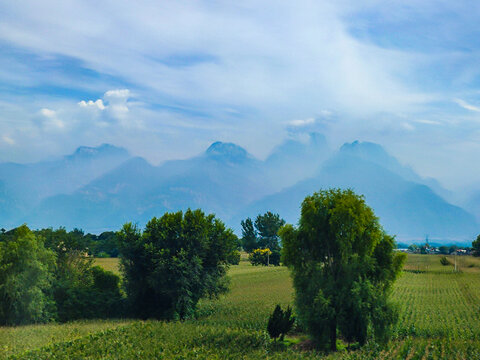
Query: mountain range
x=101, y=188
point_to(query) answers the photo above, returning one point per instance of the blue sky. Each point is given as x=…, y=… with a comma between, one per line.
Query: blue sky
x=165, y=79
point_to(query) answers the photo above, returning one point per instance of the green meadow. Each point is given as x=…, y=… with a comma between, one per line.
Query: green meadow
x=439, y=319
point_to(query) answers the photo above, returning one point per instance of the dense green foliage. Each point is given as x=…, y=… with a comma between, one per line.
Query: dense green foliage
x=263, y=234
x=177, y=260
x=77, y=289
x=234, y=258
x=103, y=245
x=476, y=246
x=443, y=250
x=249, y=235
x=260, y=257
x=444, y=261
x=280, y=322
x=267, y=226
x=26, y=270
x=48, y=275
x=437, y=320
x=343, y=267
x=92, y=293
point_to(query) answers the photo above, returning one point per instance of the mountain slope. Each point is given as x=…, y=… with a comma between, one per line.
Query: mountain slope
x=101, y=188
x=405, y=208
x=222, y=180
x=25, y=185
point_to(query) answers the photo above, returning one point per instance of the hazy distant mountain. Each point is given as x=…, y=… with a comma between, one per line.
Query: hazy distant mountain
x=101, y=188
x=375, y=153
x=406, y=208
x=222, y=180
x=472, y=203
x=65, y=175
x=25, y=185
x=296, y=159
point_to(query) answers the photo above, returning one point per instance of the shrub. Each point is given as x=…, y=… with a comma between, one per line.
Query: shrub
x=280, y=322
x=265, y=257
x=234, y=258
x=275, y=257
x=95, y=295
x=260, y=257
x=444, y=261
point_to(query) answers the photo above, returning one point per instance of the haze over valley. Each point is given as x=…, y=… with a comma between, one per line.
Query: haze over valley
x=101, y=188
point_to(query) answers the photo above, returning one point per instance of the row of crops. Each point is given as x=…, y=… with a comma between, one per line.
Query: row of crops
x=439, y=318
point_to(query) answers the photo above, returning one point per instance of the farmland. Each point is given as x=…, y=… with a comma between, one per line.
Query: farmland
x=439, y=318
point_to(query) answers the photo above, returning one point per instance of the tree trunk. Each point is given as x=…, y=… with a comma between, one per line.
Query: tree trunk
x=333, y=335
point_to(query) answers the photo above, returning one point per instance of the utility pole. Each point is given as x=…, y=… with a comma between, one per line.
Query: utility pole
x=455, y=257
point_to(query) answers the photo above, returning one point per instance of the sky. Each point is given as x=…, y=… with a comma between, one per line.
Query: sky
x=164, y=79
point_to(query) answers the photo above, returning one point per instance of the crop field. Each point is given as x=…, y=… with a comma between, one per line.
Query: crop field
x=439, y=319
x=110, y=264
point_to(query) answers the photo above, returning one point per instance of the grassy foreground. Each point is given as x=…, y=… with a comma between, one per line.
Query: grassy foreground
x=439, y=318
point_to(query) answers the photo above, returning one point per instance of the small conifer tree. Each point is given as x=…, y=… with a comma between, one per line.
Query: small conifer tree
x=280, y=322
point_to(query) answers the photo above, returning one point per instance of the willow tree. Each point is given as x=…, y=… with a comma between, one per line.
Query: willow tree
x=343, y=266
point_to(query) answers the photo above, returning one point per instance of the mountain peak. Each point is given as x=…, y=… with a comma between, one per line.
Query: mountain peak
x=227, y=151
x=366, y=150
x=102, y=150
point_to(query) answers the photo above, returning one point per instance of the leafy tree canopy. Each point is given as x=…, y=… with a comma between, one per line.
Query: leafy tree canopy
x=267, y=226
x=476, y=246
x=263, y=233
x=249, y=235
x=343, y=266
x=178, y=259
x=25, y=278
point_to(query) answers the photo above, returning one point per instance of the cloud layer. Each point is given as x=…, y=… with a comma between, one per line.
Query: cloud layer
x=167, y=78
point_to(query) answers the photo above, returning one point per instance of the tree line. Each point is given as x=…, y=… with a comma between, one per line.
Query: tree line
x=260, y=238
x=341, y=260
x=48, y=275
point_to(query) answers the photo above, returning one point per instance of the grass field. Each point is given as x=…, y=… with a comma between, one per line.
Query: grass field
x=439, y=318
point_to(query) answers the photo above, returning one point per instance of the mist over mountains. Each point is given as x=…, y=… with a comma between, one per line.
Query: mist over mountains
x=101, y=188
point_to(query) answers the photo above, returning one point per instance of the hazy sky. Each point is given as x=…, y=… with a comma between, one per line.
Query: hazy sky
x=166, y=78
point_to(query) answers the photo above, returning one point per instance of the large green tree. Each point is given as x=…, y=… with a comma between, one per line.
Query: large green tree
x=177, y=260
x=26, y=269
x=343, y=267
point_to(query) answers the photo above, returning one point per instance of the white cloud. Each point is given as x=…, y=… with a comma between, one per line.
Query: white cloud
x=114, y=103
x=118, y=94
x=467, y=106
x=407, y=126
x=90, y=103
x=303, y=57
x=428, y=122
x=8, y=140
x=48, y=113
x=304, y=122
x=208, y=71
x=117, y=102
x=51, y=120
